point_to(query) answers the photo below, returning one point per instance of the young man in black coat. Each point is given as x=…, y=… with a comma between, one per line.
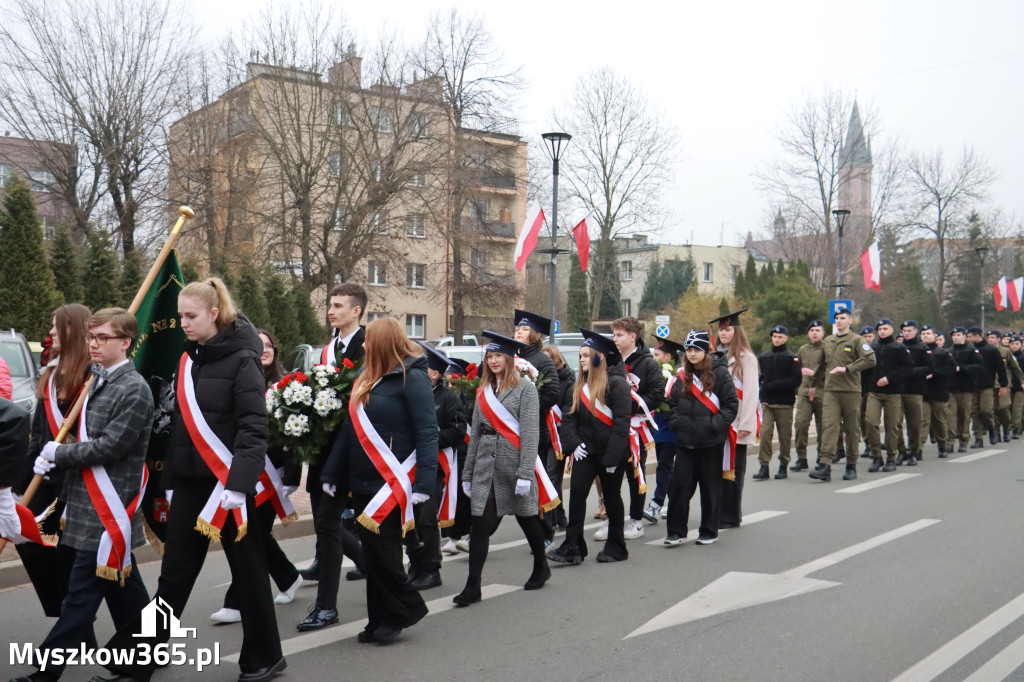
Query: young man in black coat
x=993, y=370
x=780, y=378
x=936, y=394
x=967, y=361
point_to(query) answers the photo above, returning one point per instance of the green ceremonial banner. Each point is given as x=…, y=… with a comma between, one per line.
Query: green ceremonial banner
x=156, y=354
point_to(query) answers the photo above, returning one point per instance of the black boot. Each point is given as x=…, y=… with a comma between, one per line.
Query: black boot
x=470, y=593
x=799, y=465
x=851, y=473
x=541, y=574
x=961, y=448
x=822, y=473
x=781, y=473
x=876, y=465
x=762, y=473
x=901, y=458
x=1006, y=434
x=978, y=443
x=993, y=437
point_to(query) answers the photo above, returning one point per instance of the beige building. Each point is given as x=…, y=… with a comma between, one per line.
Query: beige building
x=30, y=159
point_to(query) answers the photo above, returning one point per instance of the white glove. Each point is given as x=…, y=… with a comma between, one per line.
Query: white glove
x=42, y=466
x=231, y=499
x=330, y=489
x=49, y=451
x=419, y=498
x=10, y=524
x=289, y=489
x=580, y=452
x=466, y=487
x=168, y=494
x=523, y=486
x=610, y=470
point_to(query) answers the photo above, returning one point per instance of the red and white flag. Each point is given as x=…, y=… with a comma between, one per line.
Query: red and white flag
x=1015, y=291
x=528, y=234
x=1000, y=294
x=581, y=233
x=871, y=263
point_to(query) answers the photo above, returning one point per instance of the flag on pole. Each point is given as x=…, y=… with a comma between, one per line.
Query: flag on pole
x=999, y=293
x=871, y=263
x=1015, y=292
x=528, y=234
x=581, y=233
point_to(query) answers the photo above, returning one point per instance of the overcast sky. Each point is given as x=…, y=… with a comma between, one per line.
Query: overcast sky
x=940, y=73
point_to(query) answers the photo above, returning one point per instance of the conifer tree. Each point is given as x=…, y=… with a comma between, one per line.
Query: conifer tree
x=283, y=321
x=131, y=278
x=66, y=266
x=578, y=305
x=250, y=296
x=311, y=330
x=102, y=275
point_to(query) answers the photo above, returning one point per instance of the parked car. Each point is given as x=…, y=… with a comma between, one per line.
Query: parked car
x=467, y=353
x=445, y=341
x=15, y=351
x=301, y=358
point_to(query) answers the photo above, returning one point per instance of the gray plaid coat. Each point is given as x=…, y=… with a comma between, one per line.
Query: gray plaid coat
x=494, y=462
x=119, y=416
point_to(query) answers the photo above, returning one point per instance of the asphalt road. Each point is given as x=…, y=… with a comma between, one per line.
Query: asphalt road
x=917, y=577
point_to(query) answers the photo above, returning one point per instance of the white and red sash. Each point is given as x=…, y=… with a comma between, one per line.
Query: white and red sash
x=449, y=462
x=508, y=426
x=270, y=488
x=54, y=417
x=599, y=409
x=113, y=557
x=640, y=435
x=729, y=460
x=553, y=419
x=397, y=488
x=215, y=454
x=712, y=403
x=327, y=355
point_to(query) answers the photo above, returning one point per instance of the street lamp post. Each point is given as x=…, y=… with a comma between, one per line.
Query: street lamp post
x=557, y=143
x=982, y=251
x=841, y=215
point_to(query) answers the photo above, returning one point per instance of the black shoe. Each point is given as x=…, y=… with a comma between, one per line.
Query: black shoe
x=911, y=461
x=41, y=676
x=355, y=574
x=707, y=540
x=781, y=474
x=840, y=453
x=1015, y=434
x=264, y=674
x=800, y=465
x=470, y=593
x=386, y=635
x=762, y=473
x=822, y=473
x=931, y=438
x=943, y=454
x=901, y=458
x=311, y=572
x=317, y=619
x=949, y=447
x=851, y=473
x=565, y=555
x=605, y=558
x=537, y=581
x=961, y=448
x=364, y=636
x=889, y=466
x=978, y=443
x=993, y=437
x=427, y=580
x=876, y=465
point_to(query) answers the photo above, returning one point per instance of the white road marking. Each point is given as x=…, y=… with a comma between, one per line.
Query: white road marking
x=976, y=456
x=737, y=590
x=1002, y=665
x=747, y=520
x=888, y=480
x=332, y=634
x=463, y=556
x=946, y=656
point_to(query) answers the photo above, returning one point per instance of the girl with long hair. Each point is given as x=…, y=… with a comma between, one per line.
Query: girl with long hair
x=499, y=475
x=703, y=403
x=595, y=434
x=391, y=419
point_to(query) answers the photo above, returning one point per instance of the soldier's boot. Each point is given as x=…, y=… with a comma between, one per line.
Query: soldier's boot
x=889, y=466
x=993, y=436
x=782, y=472
x=762, y=473
x=901, y=458
x=1006, y=434
x=799, y=465
x=851, y=473
x=823, y=472
x=978, y=443
x=876, y=465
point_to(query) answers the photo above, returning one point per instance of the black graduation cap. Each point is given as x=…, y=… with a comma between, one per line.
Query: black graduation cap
x=670, y=347
x=525, y=318
x=730, y=319
x=602, y=344
x=502, y=344
x=436, y=360
x=463, y=364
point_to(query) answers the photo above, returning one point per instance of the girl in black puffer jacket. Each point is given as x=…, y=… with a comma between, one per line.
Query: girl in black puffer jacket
x=703, y=404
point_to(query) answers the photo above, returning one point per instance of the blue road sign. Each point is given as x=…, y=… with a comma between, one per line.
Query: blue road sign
x=554, y=329
x=839, y=303
x=662, y=331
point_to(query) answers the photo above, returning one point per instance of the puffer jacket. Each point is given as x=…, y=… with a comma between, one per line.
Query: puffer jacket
x=608, y=443
x=642, y=365
x=693, y=423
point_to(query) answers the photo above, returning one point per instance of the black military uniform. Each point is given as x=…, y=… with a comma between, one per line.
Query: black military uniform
x=893, y=364
x=780, y=379
x=968, y=367
x=1017, y=400
x=936, y=399
x=992, y=375
x=913, y=394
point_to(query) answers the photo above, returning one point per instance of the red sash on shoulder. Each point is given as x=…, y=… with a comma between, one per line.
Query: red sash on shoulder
x=327, y=356
x=397, y=488
x=448, y=459
x=599, y=409
x=54, y=417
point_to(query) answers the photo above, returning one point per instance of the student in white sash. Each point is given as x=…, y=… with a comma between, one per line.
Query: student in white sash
x=595, y=434
x=217, y=452
x=391, y=428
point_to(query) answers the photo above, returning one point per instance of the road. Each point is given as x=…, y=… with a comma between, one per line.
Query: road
x=914, y=575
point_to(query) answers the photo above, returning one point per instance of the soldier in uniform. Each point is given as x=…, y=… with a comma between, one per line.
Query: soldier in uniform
x=845, y=356
x=991, y=376
x=936, y=394
x=780, y=379
x=1003, y=399
x=1017, y=402
x=968, y=367
x=867, y=332
x=893, y=364
x=809, y=395
x=913, y=393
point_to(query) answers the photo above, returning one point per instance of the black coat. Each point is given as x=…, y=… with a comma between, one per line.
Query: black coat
x=893, y=362
x=548, y=394
x=14, y=427
x=924, y=365
x=993, y=367
x=566, y=386
x=693, y=423
x=780, y=376
x=401, y=409
x=608, y=443
x=642, y=364
x=451, y=419
x=1015, y=382
x=230, y=390
x=937, y=388
x=967, y=366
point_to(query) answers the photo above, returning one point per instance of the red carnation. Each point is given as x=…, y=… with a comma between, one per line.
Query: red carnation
x=471, y=371
x=455, y=377
x=347, y=364
x=300, y=377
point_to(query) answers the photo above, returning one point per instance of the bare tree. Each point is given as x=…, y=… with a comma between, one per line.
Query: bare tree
x=98, y=76
x=619, y=164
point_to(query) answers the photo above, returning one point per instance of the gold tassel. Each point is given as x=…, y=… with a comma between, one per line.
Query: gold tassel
x=208, y=529
x=559, y=455
x=407, y=526
x=642, y=488
x=107, y=573
x=242, y=530
x=446, y=524
x=368, y=523
x=63, y=522
x=729, y=475
x=46, y=515
x=650, y=446
x=551, y=505
x=151, y=537
x=291, y=518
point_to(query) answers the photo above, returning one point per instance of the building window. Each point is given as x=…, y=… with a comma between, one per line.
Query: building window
x=418, y=124
x=373, y=317
x=5, y=173
x=627, y=307
x=418, y=179
x=415, y=326
x=334, y=165
x=379, y=222
x=416, y=275
x=342, y=116
x=708, y=273
x=376, y=274
x=546, y=269
x=531, y=275
x=478, y=259
x=416, y=226
x=41, y=180
x=479, y=209
x=734, y=273
x=626, y=268
x=340, y=220
x=377, y=170
x=380, y=119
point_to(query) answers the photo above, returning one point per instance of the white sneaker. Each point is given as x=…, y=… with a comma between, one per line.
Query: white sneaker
x=602, y=532
x=450, y=547
x=652, y=511
x=287, y=596
x=226, y=615
x=462, y=545
x=664, y=511
x=634, y=529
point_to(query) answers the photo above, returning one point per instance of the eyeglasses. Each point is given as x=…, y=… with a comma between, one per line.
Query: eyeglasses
x=268, y=346
x=101, y=339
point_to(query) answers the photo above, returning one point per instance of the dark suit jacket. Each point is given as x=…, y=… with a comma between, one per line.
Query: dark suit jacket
x=14, y=428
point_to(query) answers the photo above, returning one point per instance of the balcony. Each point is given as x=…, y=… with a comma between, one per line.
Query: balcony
x=487, y=177
x=488, y=228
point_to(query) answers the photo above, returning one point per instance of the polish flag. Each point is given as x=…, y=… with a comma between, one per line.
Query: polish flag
x=1000, y=294
x=1015, y=292
x=871, y=263
x=528, y=234
x=581, y=233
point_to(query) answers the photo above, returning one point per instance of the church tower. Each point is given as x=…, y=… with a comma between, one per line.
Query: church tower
x=855, y=167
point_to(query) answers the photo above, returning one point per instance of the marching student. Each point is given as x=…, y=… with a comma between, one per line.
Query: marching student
x=990, y=382
x=1017, y=403
x=217, y=453
x=596, y=433
x=500, y=475
x=968, y=367
x=780, y=378
x=867, y=332
x=936, y=394
x=666, y=352
x=913, y=395
x=104, y=483
x=703, y=404
x=893, y=364
x=391, y=428
x=811, y=392
x=556, y=519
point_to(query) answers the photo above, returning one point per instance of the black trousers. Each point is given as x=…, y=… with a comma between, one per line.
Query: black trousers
x=282, y=571
x=732, y=492
x=556, y=472
x=693, y=467
x=581, y=480
x=636, y=498
x=483, y=528
x=390, y=600
x=666, y=453
x=463, y=505
x=49, y=568
x=184, y=555
x=333, y=542
x=86, y=591
x=423, y=543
